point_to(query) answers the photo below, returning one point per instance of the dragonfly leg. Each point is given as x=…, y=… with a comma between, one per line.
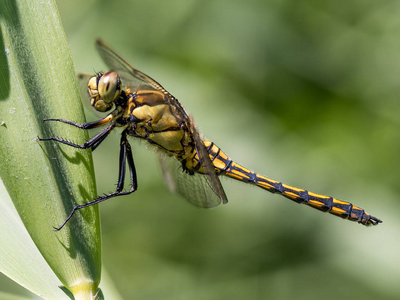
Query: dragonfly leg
x=93, y=143
x=88, y=125
x=125, y=155
x=131, y=163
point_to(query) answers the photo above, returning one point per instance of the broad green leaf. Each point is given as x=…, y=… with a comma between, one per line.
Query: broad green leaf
x=45, y=180
x=20, y=259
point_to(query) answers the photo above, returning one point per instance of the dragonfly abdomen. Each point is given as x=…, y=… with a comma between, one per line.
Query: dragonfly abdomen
x=224, y=165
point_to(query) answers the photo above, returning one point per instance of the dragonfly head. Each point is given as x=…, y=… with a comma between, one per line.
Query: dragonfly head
x=104, y=90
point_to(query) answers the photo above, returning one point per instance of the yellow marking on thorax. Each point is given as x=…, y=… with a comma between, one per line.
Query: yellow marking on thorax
x=149, y=97
x=150, y=106
x=158, y=116
x=158, y=124
x=169, y=140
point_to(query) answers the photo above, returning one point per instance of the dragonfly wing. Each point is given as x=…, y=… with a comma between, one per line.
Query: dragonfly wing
x=133, y=78
x=203, y=190
x=208, y=168
x=194, y=188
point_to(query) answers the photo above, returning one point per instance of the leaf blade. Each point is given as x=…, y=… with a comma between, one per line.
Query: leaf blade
x=45, y=180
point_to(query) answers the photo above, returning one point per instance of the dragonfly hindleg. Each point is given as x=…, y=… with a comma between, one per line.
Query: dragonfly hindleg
x=125, y=156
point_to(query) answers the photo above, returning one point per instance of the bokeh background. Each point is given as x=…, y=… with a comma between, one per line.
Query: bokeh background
x=305, y=92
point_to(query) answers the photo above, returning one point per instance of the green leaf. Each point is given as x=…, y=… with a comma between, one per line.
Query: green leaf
x=45, y=180
x=20, y=259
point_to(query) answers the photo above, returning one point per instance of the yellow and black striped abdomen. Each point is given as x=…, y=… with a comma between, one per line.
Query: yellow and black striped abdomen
x=225, y=166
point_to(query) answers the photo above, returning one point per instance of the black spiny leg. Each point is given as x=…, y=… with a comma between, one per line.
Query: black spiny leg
x=92, y=143
x=125, y=155
x=95, y=141
x=88, y=125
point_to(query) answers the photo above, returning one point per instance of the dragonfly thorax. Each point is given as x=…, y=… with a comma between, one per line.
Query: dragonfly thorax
x=104, y=90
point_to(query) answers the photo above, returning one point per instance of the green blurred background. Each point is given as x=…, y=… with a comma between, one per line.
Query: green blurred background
x=305, y=92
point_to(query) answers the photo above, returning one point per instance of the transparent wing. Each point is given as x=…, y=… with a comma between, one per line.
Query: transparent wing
x=194, y=188
x=134, y=79
x=203, y=190
x=208, y=168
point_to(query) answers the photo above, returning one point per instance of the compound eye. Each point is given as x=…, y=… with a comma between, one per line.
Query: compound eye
x=109, y=87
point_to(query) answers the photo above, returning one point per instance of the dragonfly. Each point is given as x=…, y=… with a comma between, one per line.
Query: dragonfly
x=142, y=108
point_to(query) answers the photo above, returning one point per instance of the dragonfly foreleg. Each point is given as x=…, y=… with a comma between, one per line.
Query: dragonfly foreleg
x=88, y=125
x=125, y=156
